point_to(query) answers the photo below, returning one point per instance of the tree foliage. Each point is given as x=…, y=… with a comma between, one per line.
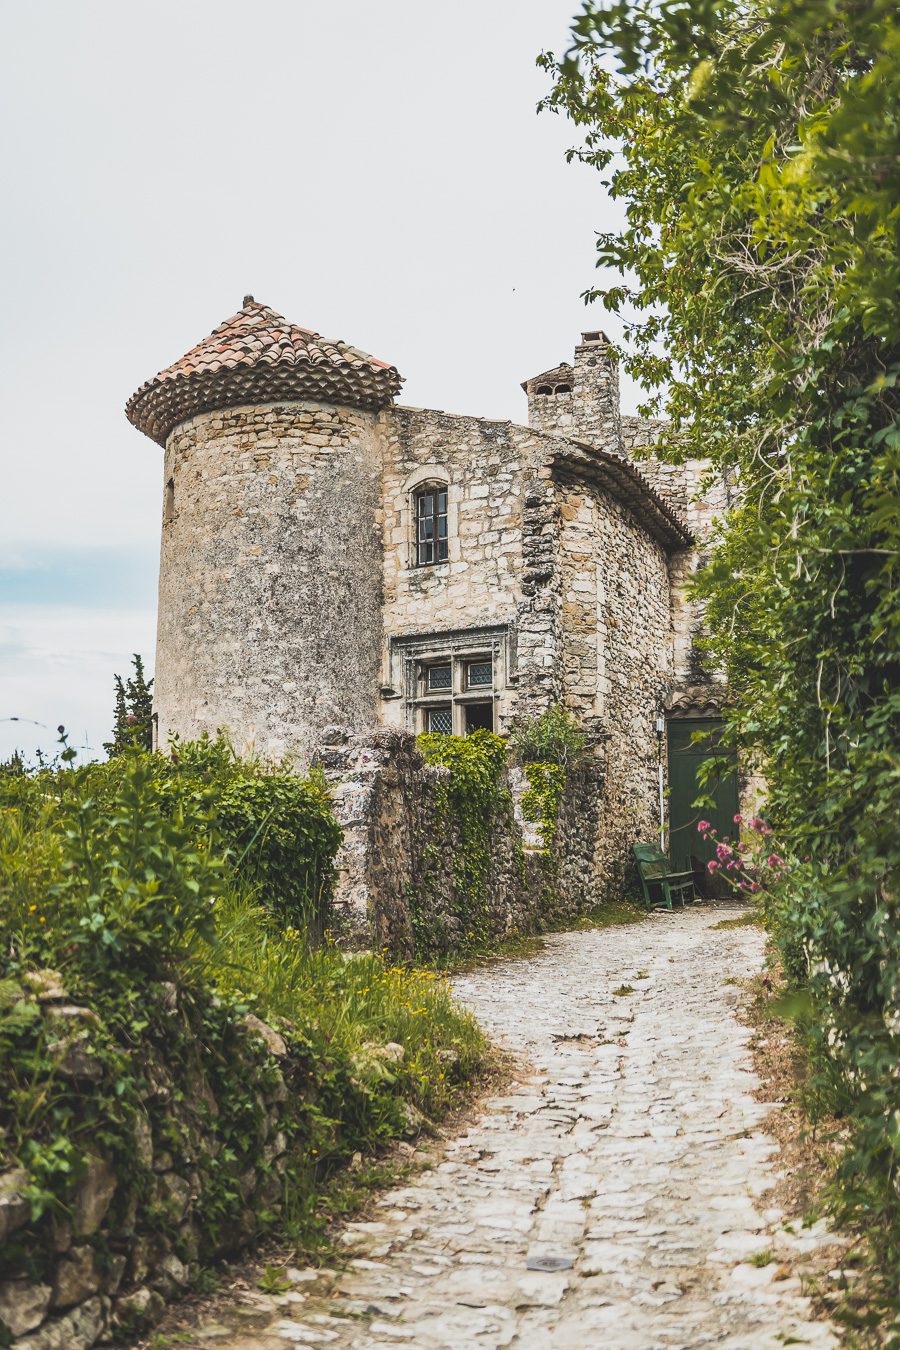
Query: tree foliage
x=754, y=144
x=133, y=714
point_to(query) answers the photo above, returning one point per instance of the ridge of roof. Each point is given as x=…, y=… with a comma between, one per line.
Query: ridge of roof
x=258, y=356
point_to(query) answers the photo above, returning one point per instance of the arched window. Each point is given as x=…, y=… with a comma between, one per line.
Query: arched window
x=431, y=524
x=544, y=389
x=563, y=389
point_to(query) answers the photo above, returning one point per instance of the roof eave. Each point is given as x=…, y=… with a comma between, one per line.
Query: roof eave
x=159, y=406
x=583, y=460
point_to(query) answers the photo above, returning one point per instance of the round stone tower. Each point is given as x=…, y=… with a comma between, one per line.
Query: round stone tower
x=269, y=620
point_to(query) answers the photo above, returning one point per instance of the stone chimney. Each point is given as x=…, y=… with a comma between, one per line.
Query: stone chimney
x=595, y=397
x=580, y=401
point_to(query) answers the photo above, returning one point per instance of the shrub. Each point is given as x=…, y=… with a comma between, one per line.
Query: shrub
x=116, y=884
x=276, y=829
x=552, y=738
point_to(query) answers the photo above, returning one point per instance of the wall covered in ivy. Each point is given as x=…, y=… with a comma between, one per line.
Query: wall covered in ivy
x=448, y=847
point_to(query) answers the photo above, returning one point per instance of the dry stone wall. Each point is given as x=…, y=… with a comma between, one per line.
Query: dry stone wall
x=399, y=864
x=583, y=585
x=701, y=501
x=480, y=586
x=140, y=1222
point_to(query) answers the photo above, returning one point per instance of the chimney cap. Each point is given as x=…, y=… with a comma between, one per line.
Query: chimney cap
x=595, y=335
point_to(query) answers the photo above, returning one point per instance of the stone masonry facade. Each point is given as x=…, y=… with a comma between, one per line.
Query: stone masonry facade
x=334, y=563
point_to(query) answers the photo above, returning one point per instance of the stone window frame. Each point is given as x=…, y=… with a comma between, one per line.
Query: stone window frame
x=420, y=480
x=410, y=656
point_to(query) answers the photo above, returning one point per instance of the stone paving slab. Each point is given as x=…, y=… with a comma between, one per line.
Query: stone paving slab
x=629, y=1157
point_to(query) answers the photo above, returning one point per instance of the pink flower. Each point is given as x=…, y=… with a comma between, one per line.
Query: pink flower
x=754, y=886
x=756, y=823
x=702, y=826
x=774, y=861
x=733, y=864
x=712, y=865
x=723, y=851
x=131, y=719
x=738, y=818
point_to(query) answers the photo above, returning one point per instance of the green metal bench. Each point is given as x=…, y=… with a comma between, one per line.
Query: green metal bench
x=660, y=884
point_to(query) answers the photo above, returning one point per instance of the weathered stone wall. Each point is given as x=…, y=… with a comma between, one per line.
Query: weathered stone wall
x=584, y=402
x=617, y=658
x=270, y=576
x=699, y=496
x=701, y=499
x=595, y=405
x=551, y=400
x=133, y=1236
x=397, y=864
x=480, y=586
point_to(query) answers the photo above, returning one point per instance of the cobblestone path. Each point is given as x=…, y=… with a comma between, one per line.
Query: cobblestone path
x=629, y=1155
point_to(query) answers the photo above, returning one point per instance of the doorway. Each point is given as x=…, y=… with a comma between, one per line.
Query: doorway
x=688, y=849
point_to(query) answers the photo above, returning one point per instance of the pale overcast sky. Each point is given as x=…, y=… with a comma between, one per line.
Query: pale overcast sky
x=373, y=171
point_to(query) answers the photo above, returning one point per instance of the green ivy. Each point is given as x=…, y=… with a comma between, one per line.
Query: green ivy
x=467, y=802
x=540, y=804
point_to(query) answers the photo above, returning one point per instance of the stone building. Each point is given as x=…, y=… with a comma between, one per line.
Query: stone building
x=333, y=559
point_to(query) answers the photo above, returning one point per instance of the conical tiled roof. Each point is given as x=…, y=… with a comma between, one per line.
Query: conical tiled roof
x=256, y=356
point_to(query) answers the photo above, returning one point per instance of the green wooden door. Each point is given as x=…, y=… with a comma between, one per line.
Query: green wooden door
x=687, y=848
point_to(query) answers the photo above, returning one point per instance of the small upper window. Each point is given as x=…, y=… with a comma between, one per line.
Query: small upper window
x=563, y=389
x=479, y=674
x=169, y=503
x=544, y=389
x=431, y=526
x=440, y=677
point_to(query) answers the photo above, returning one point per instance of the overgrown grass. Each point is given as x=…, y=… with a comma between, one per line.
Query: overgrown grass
x=351, y=1003
x=811, y=1128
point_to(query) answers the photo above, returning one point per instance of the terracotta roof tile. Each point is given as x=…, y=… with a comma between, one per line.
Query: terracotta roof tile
x=256, y=356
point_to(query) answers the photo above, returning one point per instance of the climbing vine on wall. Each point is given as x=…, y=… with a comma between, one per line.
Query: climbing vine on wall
x=468, y=800
x=540, y=804
x=548, y=746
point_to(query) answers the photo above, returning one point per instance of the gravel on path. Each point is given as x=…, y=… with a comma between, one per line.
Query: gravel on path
x=614, y=1196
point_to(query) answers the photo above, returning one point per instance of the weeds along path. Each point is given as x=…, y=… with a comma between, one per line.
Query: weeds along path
x=615, y=1197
